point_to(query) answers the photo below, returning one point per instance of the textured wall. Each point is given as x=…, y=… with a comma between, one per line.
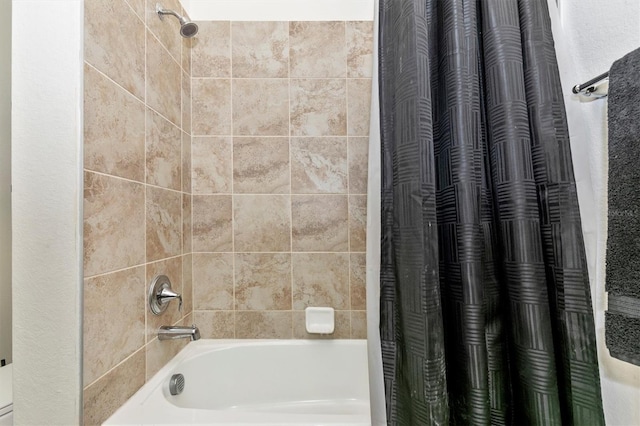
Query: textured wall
x=46, y=211
x=279, y=157
x=136, y=194
x=5, y=183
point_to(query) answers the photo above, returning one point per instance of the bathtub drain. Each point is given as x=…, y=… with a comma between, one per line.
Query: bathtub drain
x=176, y=384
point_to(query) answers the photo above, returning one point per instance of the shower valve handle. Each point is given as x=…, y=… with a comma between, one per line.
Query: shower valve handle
x=161, y=293
x=166, y=295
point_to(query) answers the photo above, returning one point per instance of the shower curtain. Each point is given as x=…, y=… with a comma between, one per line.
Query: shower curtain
x=485, y=310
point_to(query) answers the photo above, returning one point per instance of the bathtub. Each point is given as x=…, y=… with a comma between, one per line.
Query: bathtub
x=257, y=382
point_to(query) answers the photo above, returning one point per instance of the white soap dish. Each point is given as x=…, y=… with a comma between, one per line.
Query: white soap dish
x=319, y=320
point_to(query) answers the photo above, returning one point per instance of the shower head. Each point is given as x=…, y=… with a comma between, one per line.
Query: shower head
x=187, y=28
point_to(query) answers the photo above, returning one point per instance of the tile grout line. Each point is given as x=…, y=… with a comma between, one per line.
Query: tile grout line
x=106, y=76
x=190, y=180
x=346, y=105
x=233, y=220
x=182, y=155
x=262, y=194
x=112, y=369
x=280, y=78
x=115, y=271
x=143, y=102
x=179, y=63
x=271, y=136
x=137, y=182
x=291, y=276
x=264, y=252
x=143, y=20
x=146, y=179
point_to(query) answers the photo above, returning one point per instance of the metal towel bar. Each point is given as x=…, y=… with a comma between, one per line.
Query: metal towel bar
x=590, y=86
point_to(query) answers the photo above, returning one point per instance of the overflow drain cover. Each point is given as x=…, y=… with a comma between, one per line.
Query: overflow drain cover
x=176, y=384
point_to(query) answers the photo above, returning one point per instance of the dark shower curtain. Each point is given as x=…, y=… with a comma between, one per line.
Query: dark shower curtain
x=485, y=306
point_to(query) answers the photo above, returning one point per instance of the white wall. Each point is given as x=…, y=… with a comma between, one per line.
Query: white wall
x=590, y=35
x=47, y=211
x=5, y=180
x=279, y=10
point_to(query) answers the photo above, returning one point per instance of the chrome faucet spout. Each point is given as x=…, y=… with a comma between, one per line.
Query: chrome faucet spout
x=167, y=332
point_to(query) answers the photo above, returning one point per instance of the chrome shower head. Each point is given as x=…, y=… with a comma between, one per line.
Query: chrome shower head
x=187, y=28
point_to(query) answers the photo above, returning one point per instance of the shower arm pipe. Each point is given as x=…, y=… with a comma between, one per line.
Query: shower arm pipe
x=162, y=12
x=578, y=88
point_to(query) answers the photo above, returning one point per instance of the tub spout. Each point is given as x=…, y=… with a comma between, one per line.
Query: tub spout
x=167, y=332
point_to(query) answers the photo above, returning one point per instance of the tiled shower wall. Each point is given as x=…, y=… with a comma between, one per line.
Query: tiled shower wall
x=279, y=175
x=280, y=115
x=136, y=196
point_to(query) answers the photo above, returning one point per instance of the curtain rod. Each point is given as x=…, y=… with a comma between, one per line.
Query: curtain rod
x=584, y=87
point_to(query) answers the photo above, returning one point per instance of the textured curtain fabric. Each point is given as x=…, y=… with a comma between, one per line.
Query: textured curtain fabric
x=485, y=310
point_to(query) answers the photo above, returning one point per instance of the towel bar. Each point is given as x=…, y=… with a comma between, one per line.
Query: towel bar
x=589, y=87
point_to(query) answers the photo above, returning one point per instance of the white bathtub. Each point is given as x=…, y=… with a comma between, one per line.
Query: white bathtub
x=258, y=382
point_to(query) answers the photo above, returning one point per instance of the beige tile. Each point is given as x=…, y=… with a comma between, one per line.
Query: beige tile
x=357, y=281
x=342, y=328
x=261, y=165
x=358, y=222
x=318, y=107
x=359, y=48
x=104, y=397
x=262, y=223
x=187, y=221
x=319, y=222
x=187, y=283
x=212, y=228
x=164, y=145
x=163, y=81
x=358, y=106
x=164, y=223
x=260, y=49
x=358, y=165
x=263, y=325
x=261, y=107
x=172, y=268
x=118, y=300
x=213, y=281
x=263, y=281
x=167, y=29
x=187, y=48
x=186, y=162
x=320, y=279
x=318, y=165
x=114, y=217
x=358, y=324
x=215, y=324
x=186, y=103
x=211, y=162
x=119, y=54
x=113, y=128
x=211, y=50
x=138, y=7
x=318, y=49
x=159, y=353
x=211, y=107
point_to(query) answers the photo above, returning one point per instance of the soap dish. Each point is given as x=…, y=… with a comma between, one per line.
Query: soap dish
x=319, y=320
